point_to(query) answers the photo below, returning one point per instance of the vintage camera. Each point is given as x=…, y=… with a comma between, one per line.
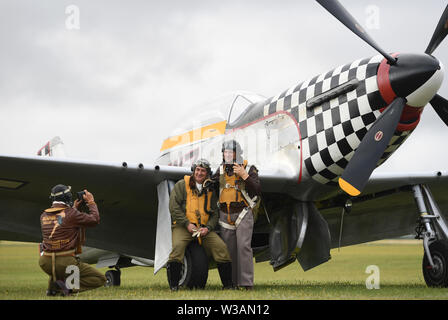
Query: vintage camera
x=80, y=195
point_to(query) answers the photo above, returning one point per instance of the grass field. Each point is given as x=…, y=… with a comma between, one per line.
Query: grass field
x=343, y=277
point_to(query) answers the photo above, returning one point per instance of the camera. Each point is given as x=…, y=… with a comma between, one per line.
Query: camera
x=80, y=195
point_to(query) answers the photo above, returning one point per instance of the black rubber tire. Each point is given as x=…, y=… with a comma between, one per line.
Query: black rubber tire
x=438, y=276
x=195, y=269
x=113, y=278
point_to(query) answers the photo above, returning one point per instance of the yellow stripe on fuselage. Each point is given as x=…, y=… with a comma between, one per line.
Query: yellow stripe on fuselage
x=209, y=131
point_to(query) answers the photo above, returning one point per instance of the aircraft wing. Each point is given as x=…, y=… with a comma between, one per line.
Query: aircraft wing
x=126, y=198
x=385, y=209
x=384, y=181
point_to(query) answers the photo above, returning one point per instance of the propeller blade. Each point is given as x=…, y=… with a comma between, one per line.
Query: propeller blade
x=340, y=13
x=440, y=105
x=369, y=152
x=439, y=33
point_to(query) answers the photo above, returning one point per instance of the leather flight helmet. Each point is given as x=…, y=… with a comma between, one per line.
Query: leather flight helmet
x=235, y=146
x=61, y=193
x=203, y=164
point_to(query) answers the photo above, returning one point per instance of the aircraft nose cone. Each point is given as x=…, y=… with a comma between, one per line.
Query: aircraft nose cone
x=416, y=77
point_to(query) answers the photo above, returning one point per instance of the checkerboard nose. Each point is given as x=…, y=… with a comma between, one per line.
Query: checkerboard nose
x=416, y=77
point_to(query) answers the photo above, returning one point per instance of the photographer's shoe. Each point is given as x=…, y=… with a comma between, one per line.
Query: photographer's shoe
x=51, y=293
x=64, y=290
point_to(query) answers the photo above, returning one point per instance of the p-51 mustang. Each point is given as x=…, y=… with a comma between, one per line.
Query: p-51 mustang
x=315, y=145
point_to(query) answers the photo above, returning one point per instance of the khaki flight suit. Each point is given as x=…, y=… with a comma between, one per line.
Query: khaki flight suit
x=185, y=205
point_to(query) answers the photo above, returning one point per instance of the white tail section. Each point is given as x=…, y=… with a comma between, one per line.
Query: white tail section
x=53, y=148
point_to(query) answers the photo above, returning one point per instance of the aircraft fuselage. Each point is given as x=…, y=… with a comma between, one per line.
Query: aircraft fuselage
x=310, y=131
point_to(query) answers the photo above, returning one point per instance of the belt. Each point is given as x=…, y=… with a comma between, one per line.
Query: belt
x=234, y=226
x=60, y=253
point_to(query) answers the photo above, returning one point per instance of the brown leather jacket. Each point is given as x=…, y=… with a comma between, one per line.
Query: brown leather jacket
x=63, y=227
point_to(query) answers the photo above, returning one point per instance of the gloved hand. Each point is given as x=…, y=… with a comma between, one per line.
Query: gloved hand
x=192, y=228
x=240, y=171
x=88, y=197
x=203, y=231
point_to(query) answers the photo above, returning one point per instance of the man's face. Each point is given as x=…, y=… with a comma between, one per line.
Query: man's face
x=228, y=156
x=200, y=174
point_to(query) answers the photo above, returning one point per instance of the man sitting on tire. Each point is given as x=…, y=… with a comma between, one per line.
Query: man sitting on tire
x=194, y=215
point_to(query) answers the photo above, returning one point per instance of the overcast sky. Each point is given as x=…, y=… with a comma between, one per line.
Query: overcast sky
x=112, y=78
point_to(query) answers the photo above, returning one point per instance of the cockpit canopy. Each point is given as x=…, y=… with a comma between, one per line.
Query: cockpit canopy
x=240, y=104
x=212, y=116
x=228, y=107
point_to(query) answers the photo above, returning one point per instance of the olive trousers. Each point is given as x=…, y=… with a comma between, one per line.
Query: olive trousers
x=212, y=243
x=77, y=273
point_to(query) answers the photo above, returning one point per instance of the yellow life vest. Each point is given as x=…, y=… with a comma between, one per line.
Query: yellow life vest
x=230, y=187
x=195, y=206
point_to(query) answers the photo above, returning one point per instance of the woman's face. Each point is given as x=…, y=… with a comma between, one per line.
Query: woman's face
x=229, y=156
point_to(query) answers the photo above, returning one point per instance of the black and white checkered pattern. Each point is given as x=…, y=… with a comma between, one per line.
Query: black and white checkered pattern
x=333, y=131
x=397, y=139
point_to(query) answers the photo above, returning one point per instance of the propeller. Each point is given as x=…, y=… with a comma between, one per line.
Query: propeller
x=340, y=13
x=440, y=105
x=372, y=147
x=406, y=75
x=439, y=33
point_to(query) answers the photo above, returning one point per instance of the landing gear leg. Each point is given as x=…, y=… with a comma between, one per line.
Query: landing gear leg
x=433, y=230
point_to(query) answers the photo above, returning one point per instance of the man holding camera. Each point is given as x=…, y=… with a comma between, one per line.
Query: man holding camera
x=194, y=215
x=63, y=235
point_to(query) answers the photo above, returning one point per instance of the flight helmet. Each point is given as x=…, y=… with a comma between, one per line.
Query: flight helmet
x=203, y=164
x=62, y=193
x=235, y=146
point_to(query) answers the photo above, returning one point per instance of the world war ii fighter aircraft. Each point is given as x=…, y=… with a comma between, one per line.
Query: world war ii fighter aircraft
x=315, y=144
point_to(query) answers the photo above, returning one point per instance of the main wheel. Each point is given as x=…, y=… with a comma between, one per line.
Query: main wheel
x=113, y=278
x=195, y=269
x=436, y=276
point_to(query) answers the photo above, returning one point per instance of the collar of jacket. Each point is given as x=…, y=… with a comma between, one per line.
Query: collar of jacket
x=56, y=207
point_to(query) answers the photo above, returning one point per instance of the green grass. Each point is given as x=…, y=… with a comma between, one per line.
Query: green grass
x=343, y=277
